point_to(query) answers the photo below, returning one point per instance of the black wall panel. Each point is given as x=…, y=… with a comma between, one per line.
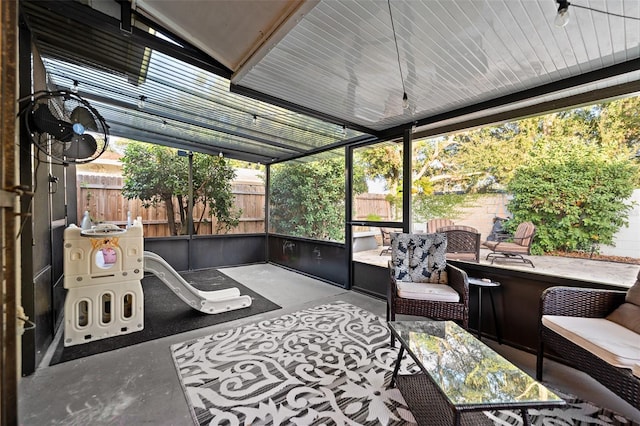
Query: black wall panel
x=174, y=250
x=214, y=251
x=517, y=301
x=42, y=315
x=57, y=273
x=321, y=259
x=370, y=279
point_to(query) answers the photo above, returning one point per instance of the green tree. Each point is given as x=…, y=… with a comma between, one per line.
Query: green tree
x=308, y=199
x=156, y=174
x=575, y=193
x=488, y=158
x=427, y=207
x=490, y=155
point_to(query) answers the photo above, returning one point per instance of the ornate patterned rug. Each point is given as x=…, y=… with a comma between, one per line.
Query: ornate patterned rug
x=325, y=365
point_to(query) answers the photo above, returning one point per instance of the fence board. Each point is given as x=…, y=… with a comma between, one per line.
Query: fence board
x=102, y=196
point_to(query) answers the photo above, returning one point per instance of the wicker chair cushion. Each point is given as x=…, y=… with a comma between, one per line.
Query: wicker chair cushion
x=426, y=291
x=607, y=340
x=633, y=294
x=506, y=247
x=636, y=369
x=627, y=315
x=419, y=257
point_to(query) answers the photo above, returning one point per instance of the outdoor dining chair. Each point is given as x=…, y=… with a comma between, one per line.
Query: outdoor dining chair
x=434, y=224
x=386, y=241
x=515, y=247
x=463, y=242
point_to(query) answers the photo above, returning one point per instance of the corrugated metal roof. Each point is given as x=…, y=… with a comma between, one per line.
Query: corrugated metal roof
x=184, y=105
x=329, y=64
x=452, y=54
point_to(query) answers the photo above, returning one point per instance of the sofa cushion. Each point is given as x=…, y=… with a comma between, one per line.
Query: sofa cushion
x=633, y=294
x=425, y=291
x=419, y=257
x=609, y=341
x=627, y=315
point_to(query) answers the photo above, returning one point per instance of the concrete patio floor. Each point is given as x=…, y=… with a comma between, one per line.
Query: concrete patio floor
x=138, y=384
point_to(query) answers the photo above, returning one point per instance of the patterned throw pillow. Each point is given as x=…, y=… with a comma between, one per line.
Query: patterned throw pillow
x=419, y=257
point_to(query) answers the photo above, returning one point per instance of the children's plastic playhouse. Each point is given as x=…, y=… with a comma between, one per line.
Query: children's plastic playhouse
x=103, y=269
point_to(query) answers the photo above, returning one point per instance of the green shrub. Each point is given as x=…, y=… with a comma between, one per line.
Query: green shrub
x=576, y=199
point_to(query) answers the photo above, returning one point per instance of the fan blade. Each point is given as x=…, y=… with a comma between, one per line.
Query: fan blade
x=81, y=146
x=83, y=116
x=45, y=122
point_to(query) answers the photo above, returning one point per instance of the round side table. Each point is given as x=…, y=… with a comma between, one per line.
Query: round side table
x=490, y=285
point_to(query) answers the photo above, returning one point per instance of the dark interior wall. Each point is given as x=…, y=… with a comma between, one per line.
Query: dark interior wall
x=208, y=251
x=39, y=270
x=175, y=250
x=517, y=301
x=224, y=250
x=370, y=279
x=322, y=259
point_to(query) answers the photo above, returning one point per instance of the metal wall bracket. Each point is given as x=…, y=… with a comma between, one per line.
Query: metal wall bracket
x=7, y=198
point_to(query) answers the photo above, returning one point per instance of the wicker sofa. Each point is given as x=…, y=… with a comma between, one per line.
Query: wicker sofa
x=583, y=327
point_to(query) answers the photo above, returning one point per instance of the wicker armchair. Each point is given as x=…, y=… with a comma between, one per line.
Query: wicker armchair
x=588, y=303
x=463, y=242
x=427, y=304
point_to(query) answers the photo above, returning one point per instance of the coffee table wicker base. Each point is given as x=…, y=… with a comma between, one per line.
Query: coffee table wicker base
x=429, y=406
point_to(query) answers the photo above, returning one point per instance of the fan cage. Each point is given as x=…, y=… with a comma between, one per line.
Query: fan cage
x=62, y=103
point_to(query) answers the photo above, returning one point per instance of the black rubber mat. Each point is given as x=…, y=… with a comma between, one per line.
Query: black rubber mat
x=165, y=314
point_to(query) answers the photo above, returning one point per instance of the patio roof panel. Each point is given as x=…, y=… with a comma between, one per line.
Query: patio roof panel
x=452, y=55
x=322, y=65
x=175, y=92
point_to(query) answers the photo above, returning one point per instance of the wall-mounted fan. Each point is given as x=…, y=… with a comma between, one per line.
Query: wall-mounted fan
x=65, y=127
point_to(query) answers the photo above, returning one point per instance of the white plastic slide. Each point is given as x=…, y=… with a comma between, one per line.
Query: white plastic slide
x=209, y=302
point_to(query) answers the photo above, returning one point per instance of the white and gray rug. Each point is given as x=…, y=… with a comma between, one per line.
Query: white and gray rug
x=325, y=365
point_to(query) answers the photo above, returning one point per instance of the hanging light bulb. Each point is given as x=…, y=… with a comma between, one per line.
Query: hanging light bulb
x=405, y=101
x=163, y=125
x=562, y=17
x=255, y=120
x=74, y=88
x=141, y=102
x=220, y=154
x=343, y=130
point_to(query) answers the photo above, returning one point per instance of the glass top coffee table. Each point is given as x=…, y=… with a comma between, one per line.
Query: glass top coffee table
x=460, y=377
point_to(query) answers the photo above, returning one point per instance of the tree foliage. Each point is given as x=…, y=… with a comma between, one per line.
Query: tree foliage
x=156, y=174
x=575, y=195
x=583, y=158
x=428, y=207
x=308, y=199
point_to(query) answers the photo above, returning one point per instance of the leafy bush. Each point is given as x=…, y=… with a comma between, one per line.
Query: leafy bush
x=308, y=199
x=575, y=195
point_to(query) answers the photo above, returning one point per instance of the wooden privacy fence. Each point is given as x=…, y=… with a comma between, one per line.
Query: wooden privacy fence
x=374, y=206
x=102, y=196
